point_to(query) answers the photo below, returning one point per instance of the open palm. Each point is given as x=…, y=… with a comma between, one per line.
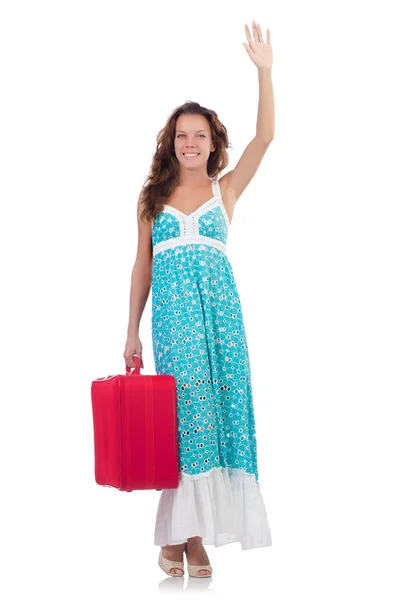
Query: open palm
x=259, y=51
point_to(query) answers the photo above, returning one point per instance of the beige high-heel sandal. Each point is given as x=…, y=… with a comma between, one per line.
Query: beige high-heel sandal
x=167, y=565
x=193, y=569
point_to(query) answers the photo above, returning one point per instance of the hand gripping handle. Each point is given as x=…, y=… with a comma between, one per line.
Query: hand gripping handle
x=137, y=369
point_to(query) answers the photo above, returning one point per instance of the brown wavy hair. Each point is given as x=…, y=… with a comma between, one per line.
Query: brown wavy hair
x=163, y=177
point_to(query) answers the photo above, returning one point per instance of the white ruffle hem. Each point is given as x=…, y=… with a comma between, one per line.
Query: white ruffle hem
x=223, y=505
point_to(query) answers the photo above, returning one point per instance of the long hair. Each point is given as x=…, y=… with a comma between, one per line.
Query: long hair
x=164, y=173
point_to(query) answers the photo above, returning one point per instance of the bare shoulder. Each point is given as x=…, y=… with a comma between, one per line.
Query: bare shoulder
x=228, y=196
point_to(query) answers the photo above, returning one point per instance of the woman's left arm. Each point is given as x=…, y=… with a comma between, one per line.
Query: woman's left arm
x=265, y=120
x=262, y=55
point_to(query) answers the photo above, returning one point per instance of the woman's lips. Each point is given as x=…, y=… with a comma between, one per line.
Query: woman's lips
x=190, y=157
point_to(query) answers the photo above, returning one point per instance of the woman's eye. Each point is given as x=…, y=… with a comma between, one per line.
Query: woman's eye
x=179, y=134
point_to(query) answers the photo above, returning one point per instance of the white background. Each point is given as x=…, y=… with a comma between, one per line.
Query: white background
x=86, y=86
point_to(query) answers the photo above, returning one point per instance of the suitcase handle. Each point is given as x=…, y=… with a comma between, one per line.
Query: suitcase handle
x=137, y=369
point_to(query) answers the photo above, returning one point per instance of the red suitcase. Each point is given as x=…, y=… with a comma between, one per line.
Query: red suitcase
x=135, y=430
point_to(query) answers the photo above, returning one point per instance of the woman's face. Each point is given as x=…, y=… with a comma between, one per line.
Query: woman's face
x=193, y=136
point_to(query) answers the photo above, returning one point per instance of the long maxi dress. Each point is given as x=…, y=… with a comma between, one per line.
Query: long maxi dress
x=199, y=337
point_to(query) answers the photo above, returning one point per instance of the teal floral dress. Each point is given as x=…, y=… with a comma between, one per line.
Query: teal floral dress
x=198, y=336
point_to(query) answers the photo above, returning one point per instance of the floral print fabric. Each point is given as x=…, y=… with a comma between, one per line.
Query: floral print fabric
x=198, y=336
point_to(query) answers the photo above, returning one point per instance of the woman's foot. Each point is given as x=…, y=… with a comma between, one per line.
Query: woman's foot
x=196, y=554
x=174, y=553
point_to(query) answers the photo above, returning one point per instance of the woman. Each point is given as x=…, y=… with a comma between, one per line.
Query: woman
x=184, y=213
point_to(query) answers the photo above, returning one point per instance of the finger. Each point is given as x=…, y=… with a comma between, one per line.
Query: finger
x=248, y=49
x=129, y=360
x=248, y=34
x=260, y=36
x=254, y=31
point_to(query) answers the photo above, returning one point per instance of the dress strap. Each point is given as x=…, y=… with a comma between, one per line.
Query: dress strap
x=216, y=188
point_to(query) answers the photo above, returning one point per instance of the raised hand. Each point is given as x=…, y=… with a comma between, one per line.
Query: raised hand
x=260, y=52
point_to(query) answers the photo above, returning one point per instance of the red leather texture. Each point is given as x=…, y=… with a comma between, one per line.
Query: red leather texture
x=135, y=431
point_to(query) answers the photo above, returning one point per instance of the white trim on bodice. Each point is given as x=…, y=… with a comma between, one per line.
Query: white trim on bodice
x=185, y=241
x=188, y=224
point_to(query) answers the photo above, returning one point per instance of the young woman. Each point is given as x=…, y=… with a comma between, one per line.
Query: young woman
x=184, y=212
